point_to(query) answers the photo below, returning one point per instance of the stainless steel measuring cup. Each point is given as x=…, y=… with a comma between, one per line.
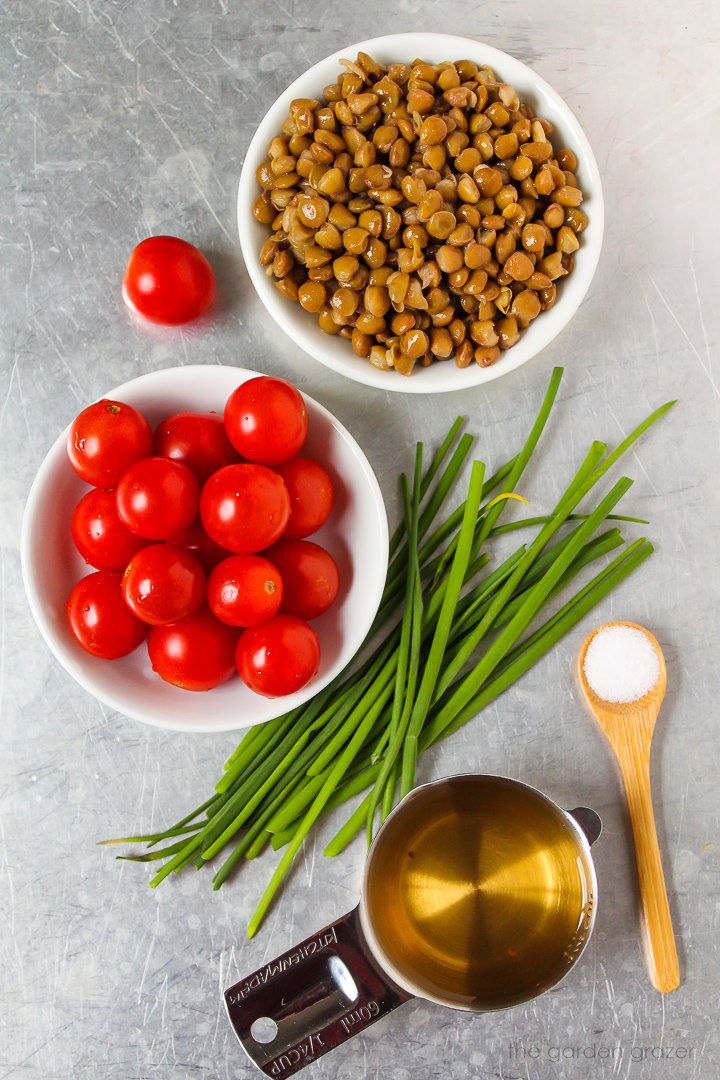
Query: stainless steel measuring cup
x=422, y=931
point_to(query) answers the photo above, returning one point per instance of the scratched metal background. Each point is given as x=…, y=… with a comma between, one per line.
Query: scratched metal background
x=123, y=119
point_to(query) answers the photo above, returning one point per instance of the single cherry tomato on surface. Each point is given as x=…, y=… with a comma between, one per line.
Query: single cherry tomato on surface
x=105, y=440
x=310, y=577
x=99, y=618
x=245, y=508
x=99, y=534
x=244, y=590
x=278, y=657
x=157, y=497
x=168, y=280
x=311, y=496
x=163, y=584
x=198, y=440
x=266, y=420
x=202, y=546
x=197, y=653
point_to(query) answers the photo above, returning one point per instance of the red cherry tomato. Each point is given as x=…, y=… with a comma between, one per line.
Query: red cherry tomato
x=311, y=496
x=244, y=590
x=278, y=657
x=197, y=653
x=266, y=420
x=198, y=440
x=99, y=534
x=163, y=584
x=105, y=440
x=245, y=508
x=168, y=280
x=99, y=618
x=157, y=497
x=202, y=546
x=310, y=577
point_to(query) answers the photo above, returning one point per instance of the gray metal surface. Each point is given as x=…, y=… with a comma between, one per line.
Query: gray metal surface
x=122, y=119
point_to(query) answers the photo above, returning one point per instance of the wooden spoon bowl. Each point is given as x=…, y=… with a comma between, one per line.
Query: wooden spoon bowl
x=629, y=729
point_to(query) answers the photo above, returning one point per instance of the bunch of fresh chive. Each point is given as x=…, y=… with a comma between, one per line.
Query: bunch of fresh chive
x=446, y=641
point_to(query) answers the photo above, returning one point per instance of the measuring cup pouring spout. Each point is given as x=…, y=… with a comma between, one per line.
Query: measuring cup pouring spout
x=588, y=821
x=416, y=901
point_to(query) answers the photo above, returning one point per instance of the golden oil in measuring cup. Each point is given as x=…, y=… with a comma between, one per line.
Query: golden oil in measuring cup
x=478, y=892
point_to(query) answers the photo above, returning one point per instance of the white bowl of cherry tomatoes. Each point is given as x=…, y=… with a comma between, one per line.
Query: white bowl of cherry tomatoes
x=204, y=528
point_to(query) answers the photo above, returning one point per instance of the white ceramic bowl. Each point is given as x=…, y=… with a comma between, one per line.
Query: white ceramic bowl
x=337, y=353
x=356, y=534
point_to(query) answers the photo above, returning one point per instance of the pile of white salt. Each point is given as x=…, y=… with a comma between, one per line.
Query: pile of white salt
x=621, y=664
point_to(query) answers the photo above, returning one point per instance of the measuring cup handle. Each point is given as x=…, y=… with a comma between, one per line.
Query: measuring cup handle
x=309, y=1000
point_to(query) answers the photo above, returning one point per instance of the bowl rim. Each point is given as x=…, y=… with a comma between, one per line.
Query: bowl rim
x=71, y=662
x=311, y=341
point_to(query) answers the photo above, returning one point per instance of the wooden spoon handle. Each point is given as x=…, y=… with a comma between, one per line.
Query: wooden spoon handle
x=663, y=959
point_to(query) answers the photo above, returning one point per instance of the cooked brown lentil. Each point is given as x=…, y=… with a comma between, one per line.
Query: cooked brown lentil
x=427, y=193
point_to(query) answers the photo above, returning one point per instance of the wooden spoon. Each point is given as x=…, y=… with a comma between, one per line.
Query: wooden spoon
x=629, y=729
